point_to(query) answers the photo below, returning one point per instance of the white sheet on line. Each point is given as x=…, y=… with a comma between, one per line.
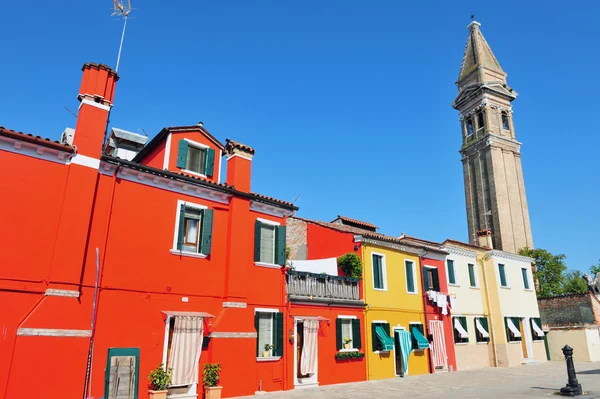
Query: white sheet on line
x=328, y=266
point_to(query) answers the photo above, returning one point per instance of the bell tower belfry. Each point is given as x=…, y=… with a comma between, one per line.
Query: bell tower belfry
x=491, y=157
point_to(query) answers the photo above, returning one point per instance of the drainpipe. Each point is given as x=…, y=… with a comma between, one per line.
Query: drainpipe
x=422, y=268
x=489, y=306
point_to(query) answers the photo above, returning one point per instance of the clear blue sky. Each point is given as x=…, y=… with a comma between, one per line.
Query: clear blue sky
x=346, y=102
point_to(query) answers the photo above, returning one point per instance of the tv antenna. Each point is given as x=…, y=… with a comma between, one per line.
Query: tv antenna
x=121, y=8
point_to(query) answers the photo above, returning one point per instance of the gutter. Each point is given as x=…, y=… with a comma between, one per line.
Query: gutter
x=489, y=306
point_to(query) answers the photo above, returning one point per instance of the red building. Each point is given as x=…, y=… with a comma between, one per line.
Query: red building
x=110, y=267
x=319, y=294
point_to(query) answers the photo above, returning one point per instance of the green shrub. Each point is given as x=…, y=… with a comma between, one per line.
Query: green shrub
x=349, y=355
x=160, y=379
x=350, y=264
x=211, y=374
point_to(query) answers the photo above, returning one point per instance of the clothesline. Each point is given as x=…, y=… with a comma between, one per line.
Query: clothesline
x=441, y=299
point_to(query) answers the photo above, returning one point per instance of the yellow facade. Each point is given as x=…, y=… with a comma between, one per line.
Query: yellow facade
x=393, y=305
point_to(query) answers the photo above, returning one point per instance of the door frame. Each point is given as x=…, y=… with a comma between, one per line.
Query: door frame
x=112, y=352
x=313, y=380
x=445, y=367
x=526, y=335
x=405, y=372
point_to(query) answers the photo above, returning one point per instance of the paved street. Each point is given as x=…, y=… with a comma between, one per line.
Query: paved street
x=536, y=380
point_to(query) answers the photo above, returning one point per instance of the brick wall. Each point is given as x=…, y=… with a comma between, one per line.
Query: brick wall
x=568, y=310
x=296, y=238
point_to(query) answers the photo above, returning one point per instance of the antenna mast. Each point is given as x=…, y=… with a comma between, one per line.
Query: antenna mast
x=121, y=8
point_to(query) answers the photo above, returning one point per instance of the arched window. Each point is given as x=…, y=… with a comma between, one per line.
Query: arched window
x=505, y=124
x=469, y=127
x=480, y=120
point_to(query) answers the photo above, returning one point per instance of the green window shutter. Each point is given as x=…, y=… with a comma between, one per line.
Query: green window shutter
x=209, y=162
x=472, y=275
x=463, y=322
x=376, y=271
x=356, y=337
x=436, y=280
x=386, y=327
x=278, y=334
x=134, y=372
x=207, y=227
x=374, y=339
x=485, y=325
x=451, y=276
x=182, y=152
x=517, y=323
x=410, y=279
x=502, y=275
x=338, y=334
x=425, y=279
x=280, y=245
x=507, y=329
x=257, y=227
x=257, y=332
x=181, y=231
x=456, y=336
x=525, y=279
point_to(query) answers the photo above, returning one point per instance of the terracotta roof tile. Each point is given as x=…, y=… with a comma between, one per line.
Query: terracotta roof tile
x=234, y=144
x=274, y=200
x=355, y=221
x=35, y=139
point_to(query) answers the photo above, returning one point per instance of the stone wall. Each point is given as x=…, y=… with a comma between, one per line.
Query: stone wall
x=569, y=310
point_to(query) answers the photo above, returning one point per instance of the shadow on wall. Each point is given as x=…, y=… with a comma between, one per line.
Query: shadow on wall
x=597, y=371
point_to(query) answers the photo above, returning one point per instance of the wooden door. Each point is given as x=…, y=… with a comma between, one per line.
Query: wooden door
x=523, y=339
x=299, y=346
x=122, y=373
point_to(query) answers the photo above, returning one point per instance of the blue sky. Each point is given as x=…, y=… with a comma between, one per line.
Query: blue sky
x=347, y=103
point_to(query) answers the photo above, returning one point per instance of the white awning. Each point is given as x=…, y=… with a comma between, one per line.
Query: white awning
x=513, y=329
x=461, y=331
x=327, y=266
x=481, y=330
x=189, y=314
x=317, y=318
x=537, y=329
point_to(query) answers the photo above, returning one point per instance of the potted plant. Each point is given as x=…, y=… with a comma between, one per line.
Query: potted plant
x=347, y=341
x=211, y=381
x=267, y=351
x=160, y=379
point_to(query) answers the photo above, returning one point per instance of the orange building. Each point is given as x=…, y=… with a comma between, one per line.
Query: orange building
x=110, y=267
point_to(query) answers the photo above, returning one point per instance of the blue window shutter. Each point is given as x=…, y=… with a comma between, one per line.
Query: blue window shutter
x=257, y=227
x=209, y=162
x=207, y=227
x=182, y=152
x=280, y=245
x=181, y=231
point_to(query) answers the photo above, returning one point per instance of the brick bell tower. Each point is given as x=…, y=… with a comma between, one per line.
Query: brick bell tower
x=491, y=157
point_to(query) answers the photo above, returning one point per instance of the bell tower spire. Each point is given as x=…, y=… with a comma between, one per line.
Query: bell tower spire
x=491, y=155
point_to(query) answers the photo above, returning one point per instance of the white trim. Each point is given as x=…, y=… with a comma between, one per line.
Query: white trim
x=312, y=380
x=167, y=152
x=350, y=318
x=84, y=160
x=505, y=255
x=224, y=334
x=268, y=359
x=269, y=265
x=538, y=331
x=191, y=172
x=527, y=277
x=414, y=273
x=266, y=221
x=475, y=275
x=266, y=310
x=346, y=317
x=274, y=225
x=271, y=210
x=238, y=155
x=92, y=103
x=53, y=332
x=383, y=271
x=348, y=350
x=174, y=249
x=220, y=165
x=34, y=150
x=240, y=305
x=460, y=251
x=379, y=321
x=196, y=144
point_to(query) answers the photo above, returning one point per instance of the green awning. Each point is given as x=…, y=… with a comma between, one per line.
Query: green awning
x=422, y=342
x=386, y=341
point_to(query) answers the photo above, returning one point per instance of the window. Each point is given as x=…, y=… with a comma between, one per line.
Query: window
x=469, y=125
x=480, y=120
x=269, y=330
x=419, y=342
x=525, y=278
x=269, y=243
x=537, y=333
x=379, y=279
x=348, y=335
x=502, y=273
x=431, y=280
x=513, y=328
x=380, y=337
x=193, y=229
x=461, y=333
x=409, y=267
x=196, y=158
x=505, y=124
x=472, y=276
x=482, y=330
x=451, y=274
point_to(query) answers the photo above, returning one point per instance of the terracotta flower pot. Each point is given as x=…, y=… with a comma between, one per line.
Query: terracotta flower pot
x=265, y=353
x=157, y=394
x=212, y=392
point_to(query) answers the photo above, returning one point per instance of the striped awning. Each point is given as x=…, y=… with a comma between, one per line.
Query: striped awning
x=386, y=341
x=513, y=329
x=461, y=331
x=537, y=329
x=422, y=342
x=481, y=330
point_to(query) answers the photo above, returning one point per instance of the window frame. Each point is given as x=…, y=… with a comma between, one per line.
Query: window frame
x=469, y=122
x=425, y=267
x=198, y=146
x=259, y=351
x=534, y=336
x=181, y=251
x=383, y=271
x=509, y=338
x=458, y=340
x=527, y=286
x=480, y=115
x=455, y=283
x=503, y=117
x=349, y=320
x=503, y=268
x=274, y=224
x=478, y=338
x=414, y=274
x=475, y=275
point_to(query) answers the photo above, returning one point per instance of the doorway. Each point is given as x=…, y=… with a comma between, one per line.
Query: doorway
x=526, y=339
x=302, y=380
x=438, y=346
x=399, y=365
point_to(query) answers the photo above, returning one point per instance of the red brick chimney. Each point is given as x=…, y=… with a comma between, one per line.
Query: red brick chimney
x=485, y=238
x=96, y=96
x=239, y=165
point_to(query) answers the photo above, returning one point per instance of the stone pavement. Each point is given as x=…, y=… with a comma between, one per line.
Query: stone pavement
x=532, y=381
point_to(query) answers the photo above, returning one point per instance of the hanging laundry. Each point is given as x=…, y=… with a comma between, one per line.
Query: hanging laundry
x=451, y=300
x=444, y=303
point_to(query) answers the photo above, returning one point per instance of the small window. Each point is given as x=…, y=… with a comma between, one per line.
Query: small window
x=502, y=272
x=525, y=278
x=472, y=276
x=269, y=330
x=410, y=276
x=380, y=337
x=469, y=124
x=194, y=229
x=195, y=158
x=505, y=124
x=480, y=120
x=431, y=281
x=378, y=272
x=348, y=335
x=482, y=330
x=451, y=274
x=461, y=333
x=418, y=337
x=269, y=243
x=513, y=328
x=537, y=333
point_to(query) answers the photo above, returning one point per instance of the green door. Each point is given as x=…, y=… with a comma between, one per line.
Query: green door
x=121, y=378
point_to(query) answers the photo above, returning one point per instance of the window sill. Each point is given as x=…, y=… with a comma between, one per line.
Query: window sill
x=514, y=342
x=412, y=293
x=382, y=352
x=454, y=285
x=191, y=172
x=348, y=350
x=268, y=359
x=188, y=254
x=483, y=343
x=461, y=343
x=506, y=287
x=528, y=289
x=475, y=288
x=269, y=265
x=379, y=289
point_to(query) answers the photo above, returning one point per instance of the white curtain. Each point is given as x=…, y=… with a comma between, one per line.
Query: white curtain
x=308, y=360
x=186, y=347
x=267, y=243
